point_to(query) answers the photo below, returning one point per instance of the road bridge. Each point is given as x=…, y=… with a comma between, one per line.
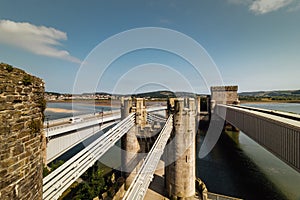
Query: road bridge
x=66, y=135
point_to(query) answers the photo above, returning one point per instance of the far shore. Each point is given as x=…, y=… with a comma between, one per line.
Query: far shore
x=270, y=102
x=117, y=103
x=60, y=110
x=108, y=103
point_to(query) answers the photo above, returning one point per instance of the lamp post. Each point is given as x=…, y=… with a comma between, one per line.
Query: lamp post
x=102, y=115
x=47, y=119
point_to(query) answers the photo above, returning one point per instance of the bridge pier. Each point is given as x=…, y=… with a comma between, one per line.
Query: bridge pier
x=230, y=127
x=180, y=174
x=129, y=144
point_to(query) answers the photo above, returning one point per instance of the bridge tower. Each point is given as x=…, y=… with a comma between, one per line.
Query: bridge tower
x=180, y=174
x=224, y=95
x=129, y=142
x=141, y=113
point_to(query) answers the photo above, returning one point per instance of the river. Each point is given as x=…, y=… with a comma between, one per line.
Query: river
x=239, y=167
x=56, y=110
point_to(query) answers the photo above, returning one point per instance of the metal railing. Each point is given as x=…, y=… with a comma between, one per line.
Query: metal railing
x=83, y=116
x=155, y=118
x=56, y=130
x=141, y=182
x=60, y=179
x=115, y=115
x=60, y=145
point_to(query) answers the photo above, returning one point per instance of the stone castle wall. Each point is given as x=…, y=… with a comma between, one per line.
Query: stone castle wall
x=22, y=142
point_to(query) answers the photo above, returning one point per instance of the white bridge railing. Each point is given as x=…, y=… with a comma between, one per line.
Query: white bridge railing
x=56, y=130
x=60, y=179
x=82, y=116
x=57, y=146
x=141, y=182
x=67, y=127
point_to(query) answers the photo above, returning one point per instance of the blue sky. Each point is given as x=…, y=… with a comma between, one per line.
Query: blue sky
x=254, y=43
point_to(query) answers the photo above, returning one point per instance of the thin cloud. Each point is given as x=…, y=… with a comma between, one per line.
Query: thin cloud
x=39, y=40
x=260, y=7
x=294, y=8
x=239, y=2
x=266, y=6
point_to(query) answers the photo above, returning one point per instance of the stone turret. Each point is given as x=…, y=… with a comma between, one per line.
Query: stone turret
x=141, y=113
x=138, y=140
x=180, y=174
x=22, y=141
x=198, y=105
x=224, y=94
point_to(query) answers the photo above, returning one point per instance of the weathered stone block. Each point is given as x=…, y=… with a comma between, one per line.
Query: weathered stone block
x=19, y=148
x=10, y=88
x=8, y=162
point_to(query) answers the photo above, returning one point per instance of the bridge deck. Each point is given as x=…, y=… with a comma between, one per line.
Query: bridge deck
x=278, y=134
x=141, y=182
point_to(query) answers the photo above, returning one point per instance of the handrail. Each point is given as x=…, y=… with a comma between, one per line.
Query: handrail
x=60, y=179
x=141, y=182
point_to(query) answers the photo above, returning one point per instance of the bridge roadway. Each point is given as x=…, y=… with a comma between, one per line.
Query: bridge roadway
x=276, y=131
x=88, y=120
x=60, y=179
x=141, y=182
x=68, y=127
x=65, y=136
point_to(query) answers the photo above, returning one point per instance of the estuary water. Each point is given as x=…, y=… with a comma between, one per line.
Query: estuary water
x=239, y=167
x=56, y=110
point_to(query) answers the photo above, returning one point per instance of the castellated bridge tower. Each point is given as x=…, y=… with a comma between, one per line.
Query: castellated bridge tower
x=224, y=95
x=180, y=151
x=130, y=143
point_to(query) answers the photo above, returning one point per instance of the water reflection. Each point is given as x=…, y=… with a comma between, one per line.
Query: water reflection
x=228, y=170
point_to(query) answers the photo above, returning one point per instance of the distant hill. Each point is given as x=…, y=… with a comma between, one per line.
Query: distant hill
x=255, y=95
x=164, y=94
x=148, y=95
x=276, y=93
